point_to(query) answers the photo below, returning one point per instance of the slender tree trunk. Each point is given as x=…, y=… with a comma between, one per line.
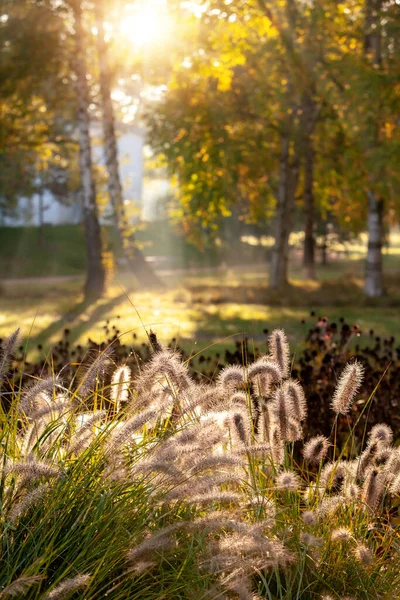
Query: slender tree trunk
x=126, y=243
x=95, y=278
x=309, y=212
x=374, y=273
x=324, y=245
x=309, y=121
x=288, y=177
x=374, y=287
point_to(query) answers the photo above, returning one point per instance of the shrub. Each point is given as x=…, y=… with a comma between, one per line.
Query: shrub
x=162, y=487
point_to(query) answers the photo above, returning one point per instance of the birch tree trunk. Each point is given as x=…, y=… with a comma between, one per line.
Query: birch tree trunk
x=134, y=257
x=310, y=116
x=95, y=278
x=288, y=177
x=309, y=212
x=374, y=271
x=374, y=287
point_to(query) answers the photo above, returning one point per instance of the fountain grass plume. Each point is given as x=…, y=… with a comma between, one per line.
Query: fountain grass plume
x=381, y=433
x=35, y=397
x=96, y=367
x=7, y=351
x=297, y=398
x=316, y=449
x=232, y=378
x=279, y=348
x=373, y=489
x=120, y=382
x=68, y=587
x=19, y=587
x=348, y=385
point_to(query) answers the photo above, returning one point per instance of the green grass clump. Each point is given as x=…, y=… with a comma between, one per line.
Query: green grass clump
x=159, y=487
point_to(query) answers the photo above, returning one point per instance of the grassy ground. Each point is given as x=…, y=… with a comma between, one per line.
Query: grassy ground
x=202, y=308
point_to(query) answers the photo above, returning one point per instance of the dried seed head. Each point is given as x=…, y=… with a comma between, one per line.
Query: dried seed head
x=120, y=385
x=392, y=467
x=34, y=469
x=395, y=486
x=156, y=542
x=298, y=400
x=281, y=412
x=217, y=497
x=347, y=387
x=342, y=534
x=279, y=348
x=154, y=343
x=382, y=457
x=240, y=425
x=329, y=506
x=288, y=480
x=68, y=586
x=232, y=377
x=277, y=445
x=308, y=539
x=239, y=399
x=122, y=435
x=381, y=433
x=36, y=397
x=165, y=369
x=333, y=476
x=363, y=554
x=316, y=449
x=7, y=350
x=351, y=491
x=30, y=499
x=98, y=365
x=310, y=518
x=262, y=373
x=373, y=489
x=365, y=460
x=19, y=587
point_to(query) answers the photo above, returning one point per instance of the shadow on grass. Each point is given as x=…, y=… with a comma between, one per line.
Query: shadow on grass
x=78, y=316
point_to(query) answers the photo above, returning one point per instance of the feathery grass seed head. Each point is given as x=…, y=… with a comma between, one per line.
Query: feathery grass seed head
x=381, y=433
x=288, y=480
x=342, y=534
x=373, y=488
x=348, y=385
x=298, y=400
x=363, y=554
x=316, y=449
x=309, y=517
x=7, y=350
x=68, y=586
x=279, y=348
x=120, y=385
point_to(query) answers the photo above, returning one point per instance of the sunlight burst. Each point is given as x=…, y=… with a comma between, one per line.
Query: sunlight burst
x=147, y=23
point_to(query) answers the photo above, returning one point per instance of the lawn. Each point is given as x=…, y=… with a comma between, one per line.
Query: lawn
x=200, y=308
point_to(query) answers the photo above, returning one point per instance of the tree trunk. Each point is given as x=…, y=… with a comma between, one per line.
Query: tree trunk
x=95, y=278
x=374, y=268
x=126, y=243
x=324, y=247
x=310, y=117
x=374, y=272
x=309, y=213
x=288, y=177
